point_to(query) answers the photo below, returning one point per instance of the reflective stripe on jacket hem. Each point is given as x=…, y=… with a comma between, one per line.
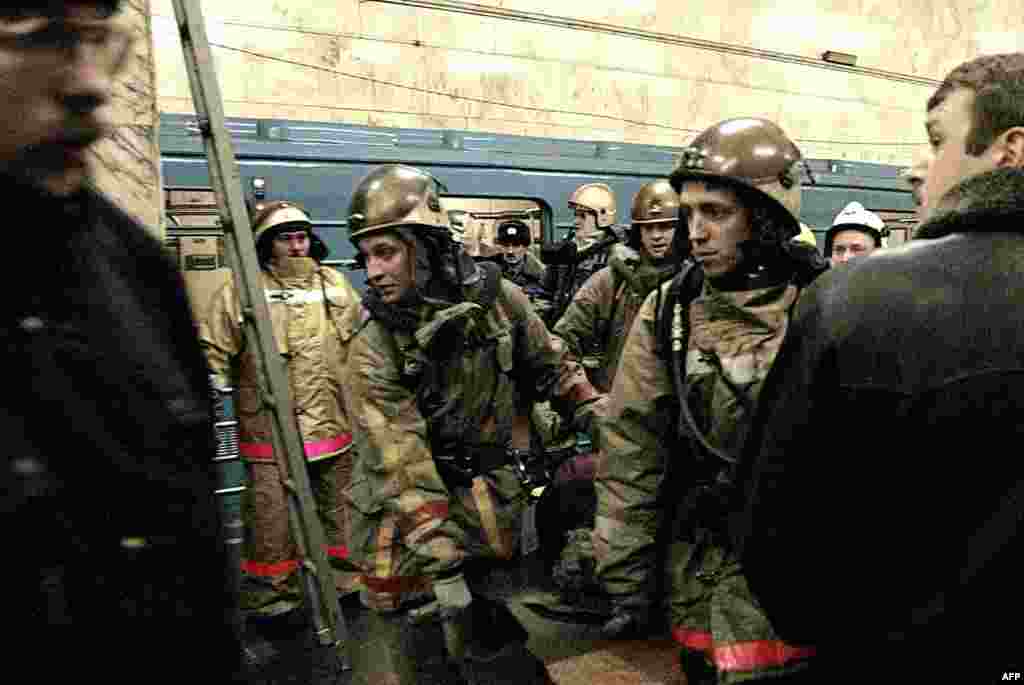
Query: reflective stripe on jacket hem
x=314, y=449
x=282, y=568
x=750, y=656
x=693, y=639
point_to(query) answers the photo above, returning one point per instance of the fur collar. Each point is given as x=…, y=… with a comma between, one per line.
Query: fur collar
x=990, y=202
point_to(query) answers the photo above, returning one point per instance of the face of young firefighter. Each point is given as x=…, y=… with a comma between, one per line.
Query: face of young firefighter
x=291, y=244
x=656, y=238
x=57, y=70
x=389, y=266
x=717, y=223
x=585, y=223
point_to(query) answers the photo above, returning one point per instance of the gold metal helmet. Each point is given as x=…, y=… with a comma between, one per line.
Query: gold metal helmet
x=747, y=153
x=395, y=196
x=655, y=202
x=272, y=214
x=597, y=198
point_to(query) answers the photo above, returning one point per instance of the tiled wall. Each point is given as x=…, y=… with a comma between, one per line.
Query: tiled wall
x=373, y=62
x=125, y=165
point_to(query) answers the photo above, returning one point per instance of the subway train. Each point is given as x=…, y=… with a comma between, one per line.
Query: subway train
x=318, y=164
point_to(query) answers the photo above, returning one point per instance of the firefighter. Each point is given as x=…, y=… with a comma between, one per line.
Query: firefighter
x=309, y=305
x=682, y=399
x=855, y=232
x=594, y=328
x=443, y=349
x=593, y=207
x=601, y=313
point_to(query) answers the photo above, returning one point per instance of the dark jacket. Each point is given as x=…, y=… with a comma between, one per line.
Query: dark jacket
x=888, y=435
x=114, y=565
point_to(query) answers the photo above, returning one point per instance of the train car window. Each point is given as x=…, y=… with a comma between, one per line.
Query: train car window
x=900, y=222
x=476, y=218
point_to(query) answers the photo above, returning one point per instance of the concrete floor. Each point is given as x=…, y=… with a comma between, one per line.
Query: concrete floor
x=574, y=653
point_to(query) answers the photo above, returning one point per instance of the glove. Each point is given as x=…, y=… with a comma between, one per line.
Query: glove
x=631, y=619
x=454, y=598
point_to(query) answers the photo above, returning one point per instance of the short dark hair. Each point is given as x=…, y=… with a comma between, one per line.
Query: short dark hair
x=998, y=85
x=16, y=10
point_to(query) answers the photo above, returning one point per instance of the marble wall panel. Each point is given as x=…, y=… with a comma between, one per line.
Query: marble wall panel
x=125, y=165
x=495, y=75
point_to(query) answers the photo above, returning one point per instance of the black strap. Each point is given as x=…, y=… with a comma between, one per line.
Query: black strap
x=685, y=287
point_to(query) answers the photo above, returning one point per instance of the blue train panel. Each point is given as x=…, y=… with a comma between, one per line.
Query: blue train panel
x=318, y=165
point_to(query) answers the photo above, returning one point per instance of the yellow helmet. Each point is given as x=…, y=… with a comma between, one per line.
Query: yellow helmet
x=273, y=214
x=597, y=198
x=806, y=236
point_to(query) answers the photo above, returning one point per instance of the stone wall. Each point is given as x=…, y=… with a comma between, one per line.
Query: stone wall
x=645, y=71
x=126, y=164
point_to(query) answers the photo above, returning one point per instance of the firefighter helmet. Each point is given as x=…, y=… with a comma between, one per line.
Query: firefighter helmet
x=855, y=218
x=513, y=232
x=747, y=154
x=396, y=197
x=597, y=198
x=655, y=202
x=272, y=216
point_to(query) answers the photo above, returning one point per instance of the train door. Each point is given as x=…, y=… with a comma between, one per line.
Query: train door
x=475, y=219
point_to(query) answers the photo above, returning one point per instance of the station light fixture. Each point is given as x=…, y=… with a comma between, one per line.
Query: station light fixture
x=843, y=58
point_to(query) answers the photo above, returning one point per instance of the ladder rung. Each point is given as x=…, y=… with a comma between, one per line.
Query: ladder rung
x=233, y=457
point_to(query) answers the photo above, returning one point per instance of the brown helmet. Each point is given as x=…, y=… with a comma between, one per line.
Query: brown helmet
x=597, y=198
x=748, y=154
x=396, y=196
x=654, y=202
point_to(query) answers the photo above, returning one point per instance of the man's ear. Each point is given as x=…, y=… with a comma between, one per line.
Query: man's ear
x=1010, y=152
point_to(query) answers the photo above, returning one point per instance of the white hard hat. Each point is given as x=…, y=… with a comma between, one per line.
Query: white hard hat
x=855, y=217
x=854, y=214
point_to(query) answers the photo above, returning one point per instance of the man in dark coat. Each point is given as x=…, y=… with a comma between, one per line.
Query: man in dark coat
x=895, y=551
x=114, y=564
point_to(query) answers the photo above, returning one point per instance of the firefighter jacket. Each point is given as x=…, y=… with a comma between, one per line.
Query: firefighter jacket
x=920, y=526
x=111, y=523
x=309, y=305
x=596, y=323
x=441, y=385
x=670, y=480
x=735, y=332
